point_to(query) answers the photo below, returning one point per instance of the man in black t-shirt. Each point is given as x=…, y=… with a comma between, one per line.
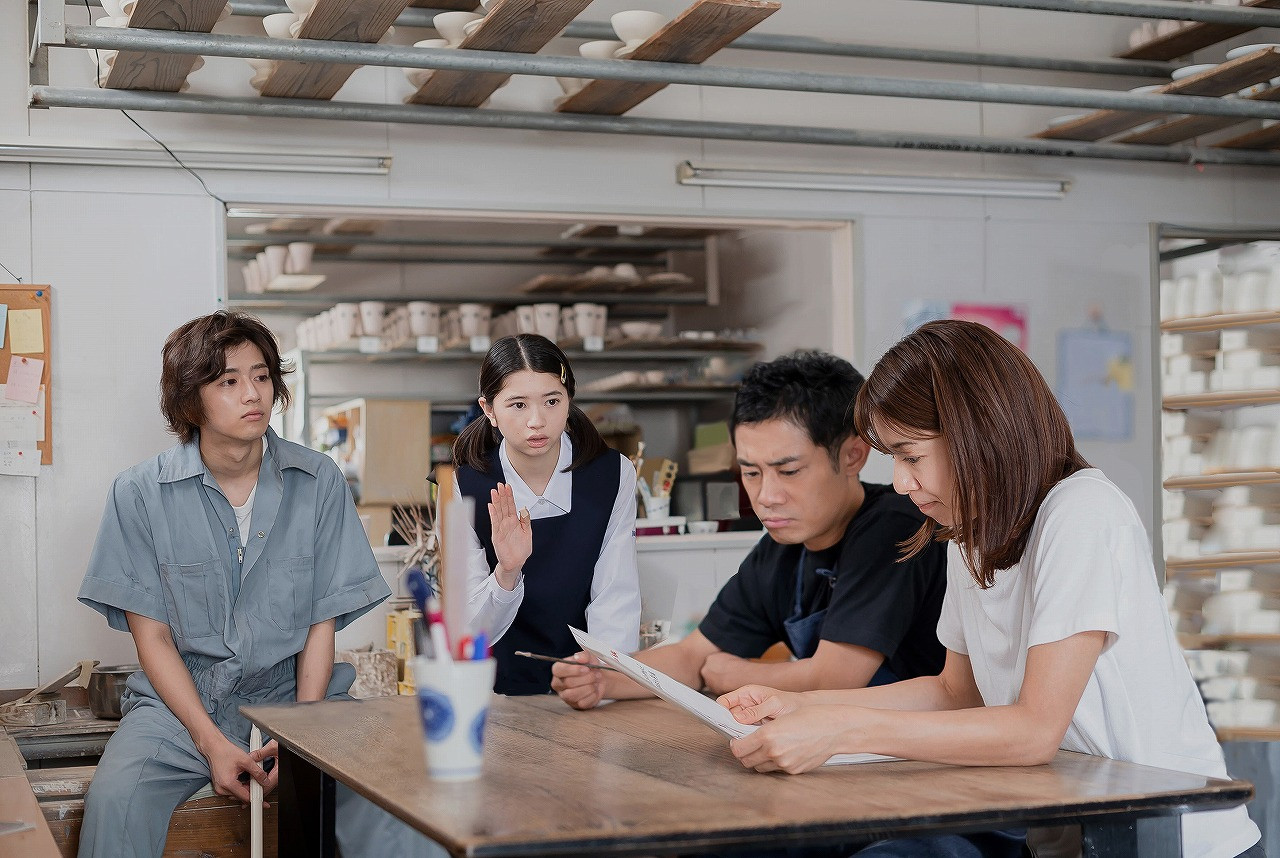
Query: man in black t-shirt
x=825, y=579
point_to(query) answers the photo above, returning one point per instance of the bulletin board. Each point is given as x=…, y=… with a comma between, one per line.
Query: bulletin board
x=32, y=297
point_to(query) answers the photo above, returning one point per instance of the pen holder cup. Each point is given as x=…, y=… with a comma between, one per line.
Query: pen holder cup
x=453, y=700
x=657, y=507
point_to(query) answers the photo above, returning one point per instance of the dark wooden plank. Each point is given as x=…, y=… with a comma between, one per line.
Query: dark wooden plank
x=673, y=785
x=1227, y=78
x=1194, y=126
x=335, y=20
x=162, y=72
x=516, y=26
x=1188, y=40
x=692, y=37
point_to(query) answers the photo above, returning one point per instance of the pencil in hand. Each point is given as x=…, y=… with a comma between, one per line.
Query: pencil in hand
x=538, y=657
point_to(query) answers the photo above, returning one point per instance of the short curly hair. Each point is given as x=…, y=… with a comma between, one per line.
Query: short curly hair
x=812, y=389
x=196, y=354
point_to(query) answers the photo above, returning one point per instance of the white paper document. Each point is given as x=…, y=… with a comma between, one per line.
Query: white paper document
x=21, y=421
x=695, y=703
x=19, y=459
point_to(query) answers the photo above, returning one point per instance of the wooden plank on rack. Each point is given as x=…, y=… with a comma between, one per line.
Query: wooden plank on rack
x=1194, y=126
x=1189, y=39
x=1222, y=480
x=516, y=26
x=453, y=5
x=332, y=20
x=1227, y=78
x=692, y=37
x=1259, y=138
x=162, y=72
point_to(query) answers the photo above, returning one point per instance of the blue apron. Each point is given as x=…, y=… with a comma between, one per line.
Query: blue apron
x=804, y=632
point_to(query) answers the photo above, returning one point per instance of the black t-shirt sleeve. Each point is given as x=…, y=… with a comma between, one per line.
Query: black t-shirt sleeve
x=744, y=619
x=876, y=597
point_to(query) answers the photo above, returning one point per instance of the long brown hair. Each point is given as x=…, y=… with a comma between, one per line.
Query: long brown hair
x=1009, y=441
x=511, y=355
x=196, y=354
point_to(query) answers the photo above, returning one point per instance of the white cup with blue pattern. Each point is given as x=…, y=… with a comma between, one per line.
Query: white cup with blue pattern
x=453, y=702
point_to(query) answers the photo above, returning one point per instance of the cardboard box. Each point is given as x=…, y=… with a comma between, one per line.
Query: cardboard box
x=715, y=459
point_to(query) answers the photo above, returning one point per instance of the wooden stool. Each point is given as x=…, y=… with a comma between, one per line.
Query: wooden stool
x=209, y=825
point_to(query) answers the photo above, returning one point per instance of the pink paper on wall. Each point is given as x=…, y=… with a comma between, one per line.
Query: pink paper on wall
x=1007, y=321
x=23, y=384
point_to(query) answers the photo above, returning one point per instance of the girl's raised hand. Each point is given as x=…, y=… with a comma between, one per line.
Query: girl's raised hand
x=512, y=534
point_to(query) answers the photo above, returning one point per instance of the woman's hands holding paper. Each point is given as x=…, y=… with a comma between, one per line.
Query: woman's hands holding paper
x=796, y=742
x=753, y=704
x=512, y=535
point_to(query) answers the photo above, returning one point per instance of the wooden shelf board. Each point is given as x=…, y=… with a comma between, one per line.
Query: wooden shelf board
x=1239, y=560
x=452, y=5
x=1190, y=39
x=1258, y=138
x=1201, y=641
x=1248, y=734
x=1226, y=399
x=1226, y=78
x=1206, y=324
x=515, y=26
x=1190, y=127
x=155, y=71
x=1222, y=481
x=333, y=20
x=692, y=37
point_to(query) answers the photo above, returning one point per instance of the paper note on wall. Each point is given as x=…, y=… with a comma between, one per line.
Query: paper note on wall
x=21, y=421
x=26, y=332
x=19, y=459
x=23, y=383
x=4, y=311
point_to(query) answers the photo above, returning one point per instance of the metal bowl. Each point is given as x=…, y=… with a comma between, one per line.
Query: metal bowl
x=106, y=687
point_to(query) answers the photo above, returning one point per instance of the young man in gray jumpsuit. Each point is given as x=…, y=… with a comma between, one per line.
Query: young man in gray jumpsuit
x=232, y=558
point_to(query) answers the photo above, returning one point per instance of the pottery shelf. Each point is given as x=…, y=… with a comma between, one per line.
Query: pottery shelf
x=1229, y=77
x=1189, y=39
x=1190, y=127
x=1232, y=560
x=162, y=72
x=324, y=302
x=1221, y=322
x=334, y=20
x=1259, y=138
x=692, y=37
x=514, y=26
x=1226, y=399
x=638, y=233
x=575, y=355
x=588, y=284
x=1205, y=482
x=1201, y=641
x=1248, y=734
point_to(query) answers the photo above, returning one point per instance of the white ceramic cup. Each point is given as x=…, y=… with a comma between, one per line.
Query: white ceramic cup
x=371, y=315
x=1207, y=300
x=277, y=254
x=526, y=319
x=635, y=26
x=584, y=319
x=424, y=318
x=450, y=25
x=546, y=320
x=277, y=25
x=347, y=320
x=252, y=282
x=1252, y=291
x=453, y=702
x=299, y=261
x=599, y=316
x=568, y=324
x=474, y=319
x=599, y=50
x=451, y=325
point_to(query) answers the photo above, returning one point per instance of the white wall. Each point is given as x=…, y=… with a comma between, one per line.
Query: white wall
x=132, y=253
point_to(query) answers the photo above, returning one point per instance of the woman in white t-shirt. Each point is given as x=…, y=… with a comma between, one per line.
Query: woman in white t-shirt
x=1056, y=632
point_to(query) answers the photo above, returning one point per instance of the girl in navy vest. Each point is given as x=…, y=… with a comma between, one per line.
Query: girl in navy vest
x=554, y=541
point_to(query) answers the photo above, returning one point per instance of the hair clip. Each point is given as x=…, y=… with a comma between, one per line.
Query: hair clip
x=564, y=374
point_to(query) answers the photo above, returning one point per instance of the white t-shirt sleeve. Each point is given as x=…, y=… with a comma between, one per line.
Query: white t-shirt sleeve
x=488, y=605
x=613, y=615
x=951, y=618
x=1080, y=536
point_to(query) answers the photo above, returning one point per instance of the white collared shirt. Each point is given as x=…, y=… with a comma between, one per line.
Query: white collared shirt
x=613, y=614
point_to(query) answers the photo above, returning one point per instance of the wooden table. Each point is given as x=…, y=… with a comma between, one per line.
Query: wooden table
x=640, y=777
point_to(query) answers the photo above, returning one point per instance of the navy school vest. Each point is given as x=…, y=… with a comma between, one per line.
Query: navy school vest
x=557, y=576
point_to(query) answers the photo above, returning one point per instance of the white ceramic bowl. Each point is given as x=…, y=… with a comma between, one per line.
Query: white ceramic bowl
x=277, y=25
x=471, y=26
x=1233, y=54
x=416, y=77
x=703, y=526
x=1189, y=71
x=637, y=25
x=450, y=24
x=599, y=50
x=301, y=8
x=432, y=43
